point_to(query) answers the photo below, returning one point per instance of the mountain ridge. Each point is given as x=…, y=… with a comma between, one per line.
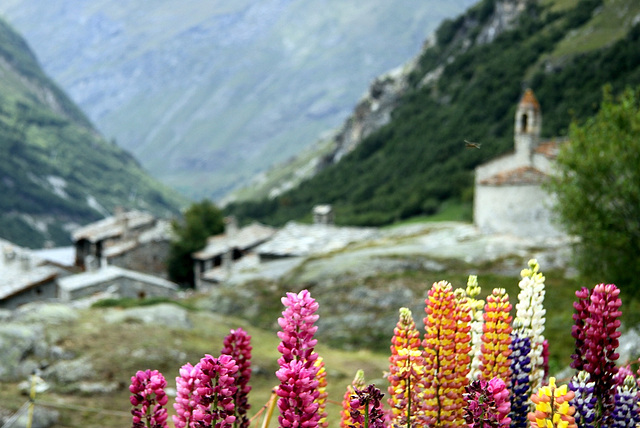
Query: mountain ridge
x=208, y=94
x=462, y=88
x=56, y=171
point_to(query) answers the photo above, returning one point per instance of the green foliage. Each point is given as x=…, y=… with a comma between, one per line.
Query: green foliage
x=598, y=190
x=201, y=220
x=416, y=163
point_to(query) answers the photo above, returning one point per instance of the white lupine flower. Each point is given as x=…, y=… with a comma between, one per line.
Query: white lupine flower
x=477, y=306
x=530, y=311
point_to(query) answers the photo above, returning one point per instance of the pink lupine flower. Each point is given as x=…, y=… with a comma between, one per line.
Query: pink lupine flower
x=298, y=390
x=597, y=321
x=216, y=389
x=297, y=324
x=186, y=397
x=147, y=389
x=237, y=344
x=488, y=404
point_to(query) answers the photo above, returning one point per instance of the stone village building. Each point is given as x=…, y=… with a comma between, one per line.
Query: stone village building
x=509, y=198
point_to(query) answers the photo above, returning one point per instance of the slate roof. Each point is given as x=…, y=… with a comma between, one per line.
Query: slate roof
x=110, y=273
x=20, y=270
x=113, y=226
x=160, y=232
x=550, y=149
x=524, y=175
x=306, y=239
x=246, y=237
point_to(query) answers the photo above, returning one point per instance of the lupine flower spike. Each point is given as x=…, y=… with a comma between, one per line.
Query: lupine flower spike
x=345, y=414
x=584, y=401
x=298, y=391
x=447, y=331
x=366, y=408
x=406, y=369
x=321, y=377
x=496, y=337
x=487, y=404
x=216, y=390
x=596, y=333
x=626, y=412
x=148, y=399
x=552, y=408
x=237, y=344
x=531, y=313
x=476, y=306
x=520, y=371
x=186, y=396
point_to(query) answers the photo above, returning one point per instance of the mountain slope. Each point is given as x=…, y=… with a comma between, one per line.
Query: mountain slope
x=56, y=172
x=466, y=86
x=206, y=94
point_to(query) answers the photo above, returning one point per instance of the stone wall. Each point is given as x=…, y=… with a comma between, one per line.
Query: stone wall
x=523, y=210
x=148, y=258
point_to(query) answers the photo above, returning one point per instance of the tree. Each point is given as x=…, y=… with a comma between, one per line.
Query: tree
x=598, y=190
x=200, y=220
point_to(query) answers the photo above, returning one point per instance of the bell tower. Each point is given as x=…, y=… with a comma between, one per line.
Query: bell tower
x=528, y=123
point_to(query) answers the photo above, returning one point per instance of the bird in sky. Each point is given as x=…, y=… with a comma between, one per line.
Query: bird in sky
x=471, y=145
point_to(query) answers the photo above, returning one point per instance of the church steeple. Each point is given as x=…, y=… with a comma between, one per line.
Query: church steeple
x=528, y=122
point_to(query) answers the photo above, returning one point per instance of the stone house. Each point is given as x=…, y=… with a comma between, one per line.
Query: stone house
x=130, y=239
x=509, y=198
x=114, y=281
x=222, y=250
x=25, y=278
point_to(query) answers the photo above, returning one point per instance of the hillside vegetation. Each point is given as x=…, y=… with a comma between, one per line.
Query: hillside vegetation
x=565, y=51
x=207, y=94
x=56, y=171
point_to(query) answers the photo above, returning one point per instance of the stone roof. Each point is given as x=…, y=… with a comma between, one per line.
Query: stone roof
x=159, y=233
x=524, y=175
x=529, y=99
x=59, y=256
x=245, y=238
x=550, y=149
x=306, y=239
x=110, y=273
x=21, y=269
x=113, y=226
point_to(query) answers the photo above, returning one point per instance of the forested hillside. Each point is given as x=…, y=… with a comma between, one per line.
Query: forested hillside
x=56, y=171
x=564, y=50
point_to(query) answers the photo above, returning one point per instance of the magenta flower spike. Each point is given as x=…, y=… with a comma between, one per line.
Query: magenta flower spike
x=216, y=389
x=597, y=318
x=186, y=398
x=148, y=399
x=237, y=344
x=298, y=392
x=488, y=404
x=366, y=408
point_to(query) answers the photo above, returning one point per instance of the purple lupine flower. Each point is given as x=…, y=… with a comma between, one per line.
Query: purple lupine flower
x=626, y=412
x=520, y=372
x=487, y=404
x=237, y=344
x=578, y=330
x=186, y=401
x=622, y=374
x=584, y=401
x=216, y=389
x=147, y=389
x=298, y=392
x=366, y=408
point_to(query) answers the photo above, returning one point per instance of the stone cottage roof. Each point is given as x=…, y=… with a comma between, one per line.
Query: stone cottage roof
x=21, y=270
x=304, y=239
x=247, y=237
x=113, y=226
x=550, y=149
x=110, y=273
x=159, y=233
x=525, y=175
x=529, y=99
